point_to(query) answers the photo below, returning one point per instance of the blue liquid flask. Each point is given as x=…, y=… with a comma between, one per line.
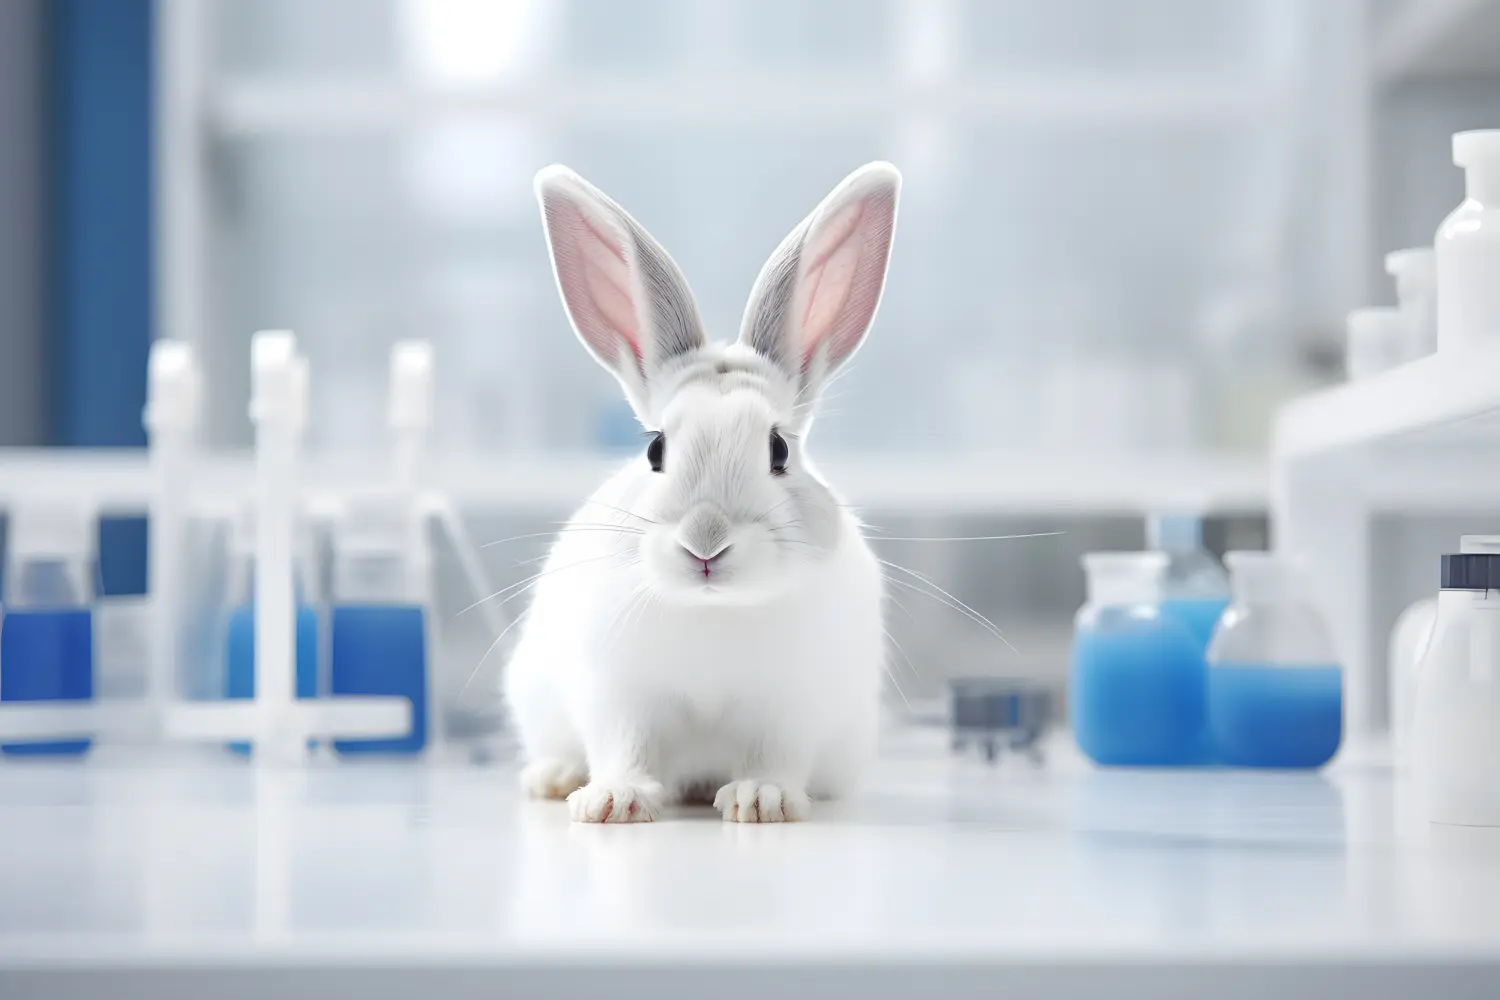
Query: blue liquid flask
x=1136, y=694
x=378, y=618
x=47, y=632
x=1275, y=689
x=381, y=649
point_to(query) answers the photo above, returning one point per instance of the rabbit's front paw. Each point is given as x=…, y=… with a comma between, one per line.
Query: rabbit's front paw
x=553, y=778
x=761, y=802
x=618, y=801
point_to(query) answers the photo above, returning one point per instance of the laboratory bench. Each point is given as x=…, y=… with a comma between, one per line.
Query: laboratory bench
x=945, y=878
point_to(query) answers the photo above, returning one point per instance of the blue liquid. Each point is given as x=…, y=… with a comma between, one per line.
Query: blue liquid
x=1137, y=690
x=381, y=649
x=239, y=673
x=1199, y=614
x=47, y=656
x=1269, y=716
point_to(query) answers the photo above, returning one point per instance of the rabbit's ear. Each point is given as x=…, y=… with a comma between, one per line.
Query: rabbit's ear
x=817, y=295
x=626, y=297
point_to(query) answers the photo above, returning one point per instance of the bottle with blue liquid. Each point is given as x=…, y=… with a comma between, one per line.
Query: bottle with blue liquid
x=378, y=618
x=239, y=627
x=47, y=632
x=1275, y=689
x=1136, y=691
x=1195, y=588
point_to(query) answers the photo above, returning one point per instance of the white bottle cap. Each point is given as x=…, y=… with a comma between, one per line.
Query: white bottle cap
x=410, y=403
x=54, y=529
x=173, y=387
x=278, y=380
x=1377, y=337
x=1477, y=149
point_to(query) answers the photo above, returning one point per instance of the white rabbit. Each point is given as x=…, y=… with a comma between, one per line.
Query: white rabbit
x=709, y=623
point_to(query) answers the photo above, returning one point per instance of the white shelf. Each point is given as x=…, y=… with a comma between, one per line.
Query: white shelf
x=1441, y=400
x=117, y=482
x=945, y=878
x=1433, y=39
x=1422, y=438
x=254, y=107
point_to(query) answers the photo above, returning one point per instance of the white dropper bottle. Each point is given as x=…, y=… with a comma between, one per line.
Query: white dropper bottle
x=1468, y=248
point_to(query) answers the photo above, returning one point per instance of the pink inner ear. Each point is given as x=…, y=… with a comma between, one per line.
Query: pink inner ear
x=834, y=283
x=595, y=279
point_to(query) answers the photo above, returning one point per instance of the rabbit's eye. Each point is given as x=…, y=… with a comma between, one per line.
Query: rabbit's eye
x=656, y=451
x=779, y=453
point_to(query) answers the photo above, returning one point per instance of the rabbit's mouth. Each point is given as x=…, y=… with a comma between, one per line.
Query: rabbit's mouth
x=734, y=570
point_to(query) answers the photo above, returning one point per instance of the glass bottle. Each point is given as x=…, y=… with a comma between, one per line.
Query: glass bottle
x=1137, y=676
x=47, y=633
x=378, y=622
x=1275, y=689
x=1195, y=589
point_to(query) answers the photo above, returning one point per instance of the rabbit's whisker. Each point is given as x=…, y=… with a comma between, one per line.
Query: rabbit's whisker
x=894, y=682
x=909, y=665
x=624, y=529
x=523, y=584
x=617, y=624
x=897, y=602
x=622, y=510
x=966, y=538
x=945, y=598
x=617, y=529
x=774, y=509
x=503, y=632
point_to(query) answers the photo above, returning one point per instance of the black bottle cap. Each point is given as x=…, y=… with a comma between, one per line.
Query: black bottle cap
x=1471, y=571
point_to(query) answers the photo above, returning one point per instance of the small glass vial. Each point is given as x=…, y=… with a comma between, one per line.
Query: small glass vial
x=1137, y=676
x=47, y=634
x=378, y=640
x=1195, y=589
x=1456, y=732
x=1275, y=689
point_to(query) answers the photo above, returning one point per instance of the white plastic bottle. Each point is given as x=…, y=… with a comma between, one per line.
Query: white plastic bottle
x=1410, y=638
x=1467, y=248
x=1416, y=295
x=1456, y=734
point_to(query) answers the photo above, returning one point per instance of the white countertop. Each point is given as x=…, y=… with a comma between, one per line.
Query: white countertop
x=395, y=879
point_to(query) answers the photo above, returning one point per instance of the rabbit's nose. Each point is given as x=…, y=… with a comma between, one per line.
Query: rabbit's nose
x=704, y=534
x=707, y=562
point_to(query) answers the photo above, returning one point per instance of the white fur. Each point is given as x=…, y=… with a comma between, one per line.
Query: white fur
x=644, y=667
